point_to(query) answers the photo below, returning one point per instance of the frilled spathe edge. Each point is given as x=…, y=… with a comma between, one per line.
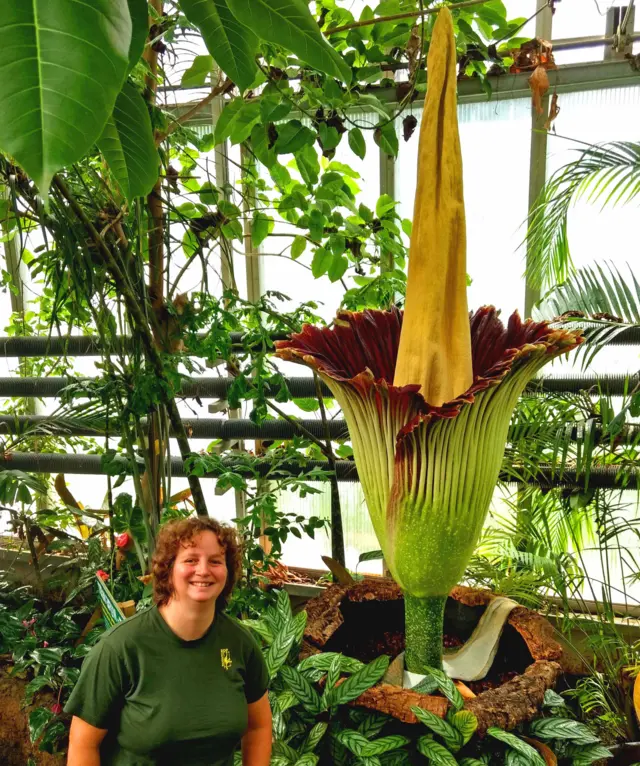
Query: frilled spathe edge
x=361, y=350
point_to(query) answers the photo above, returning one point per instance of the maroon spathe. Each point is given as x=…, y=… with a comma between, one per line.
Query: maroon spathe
x=361, y=349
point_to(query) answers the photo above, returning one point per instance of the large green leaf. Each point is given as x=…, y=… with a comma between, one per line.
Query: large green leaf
x=228, y=40
x=236, y=121
x=128, y=146
x=139, y=30
x=62, y=65
x=289, y=23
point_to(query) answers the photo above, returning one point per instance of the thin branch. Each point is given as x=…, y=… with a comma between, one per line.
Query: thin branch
x=406, y=15
x=142, y=329
x=218, y=90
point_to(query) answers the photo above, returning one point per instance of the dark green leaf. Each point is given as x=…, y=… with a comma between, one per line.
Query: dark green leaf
x=48, y=656
x=261, y=227
x=370, y=556
x=34, y=686
x=236, y=121
x=128, y=145
x=357, y=143
x=321, y=262
x=385, y=745
x=292, y=136
x=228, y=40
x=323, y=662
x=314, y=737
x=585, y=755
x=386, y=138
x=140, y=29
x=521, y=747
x=208, y=193
x=436, y=753
x=563, y=728
x=38, y=720
x=308, y=164
x=53, y=736
x=466, y=723
x=303, y=690
x=289, y=23
x=54, y=104
x=360, y=681
x=553, y=699
x=337, y=267
x=260, y=145
x=353, y=741
x=297, y=248
x=274, y=109
x=447, y=687
x=197, y=74
x=384, y=205
x=451, y=736
x=329, y=136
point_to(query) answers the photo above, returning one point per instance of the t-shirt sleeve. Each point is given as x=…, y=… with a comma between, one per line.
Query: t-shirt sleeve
x=100, y=690
x=257, y=677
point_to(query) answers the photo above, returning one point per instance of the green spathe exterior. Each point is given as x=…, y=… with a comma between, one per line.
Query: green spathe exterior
x=428, y=473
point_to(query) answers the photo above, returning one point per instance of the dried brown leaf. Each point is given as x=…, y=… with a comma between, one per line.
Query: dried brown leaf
x=539, y=84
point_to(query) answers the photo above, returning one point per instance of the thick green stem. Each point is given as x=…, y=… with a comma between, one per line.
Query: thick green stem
x=424, y=625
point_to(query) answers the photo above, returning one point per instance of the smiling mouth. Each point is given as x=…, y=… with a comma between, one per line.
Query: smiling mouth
x=202, y=585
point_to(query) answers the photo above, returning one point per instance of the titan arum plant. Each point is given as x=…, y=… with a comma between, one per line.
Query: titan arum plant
x=428, y=395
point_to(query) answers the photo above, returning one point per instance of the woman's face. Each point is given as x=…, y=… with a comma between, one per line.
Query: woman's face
x=200, y=570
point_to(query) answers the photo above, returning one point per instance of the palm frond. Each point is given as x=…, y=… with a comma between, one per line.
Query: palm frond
x=600, y=297
x=606, y=173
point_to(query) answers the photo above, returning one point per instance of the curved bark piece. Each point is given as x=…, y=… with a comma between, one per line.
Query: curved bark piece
x=517, y=700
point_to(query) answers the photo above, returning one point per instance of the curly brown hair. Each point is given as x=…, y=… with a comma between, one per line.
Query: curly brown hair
x=180, y=533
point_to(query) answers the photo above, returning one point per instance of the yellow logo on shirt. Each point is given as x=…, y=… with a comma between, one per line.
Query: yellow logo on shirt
x=225, y=658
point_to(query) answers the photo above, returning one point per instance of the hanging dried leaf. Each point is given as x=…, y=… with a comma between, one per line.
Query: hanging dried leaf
x=539, y=84
x=554, y=111
x=413, y=51
x=408, y=126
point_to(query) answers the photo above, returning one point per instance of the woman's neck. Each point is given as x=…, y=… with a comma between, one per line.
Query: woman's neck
x=188, y=621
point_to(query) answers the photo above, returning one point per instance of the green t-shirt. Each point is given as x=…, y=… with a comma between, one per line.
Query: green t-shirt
x=166, y=701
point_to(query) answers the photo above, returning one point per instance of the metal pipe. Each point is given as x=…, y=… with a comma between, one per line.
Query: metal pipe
x=593, y=41
x=272, y=430
x=304, y=387
x=82, y=345
x=604, y=477
x=90, y=345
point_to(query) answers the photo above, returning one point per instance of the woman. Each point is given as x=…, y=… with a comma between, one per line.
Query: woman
x=180, y=684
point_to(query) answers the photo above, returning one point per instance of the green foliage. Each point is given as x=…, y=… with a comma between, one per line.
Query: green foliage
x=54, y=122
x=128, y=145
x=608, y=174
x=607, y=301
x=228, y=39
x=310, y=718
x=289, y=24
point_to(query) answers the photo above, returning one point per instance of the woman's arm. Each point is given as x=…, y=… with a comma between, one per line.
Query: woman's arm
x=84, y=743
x=256, y=743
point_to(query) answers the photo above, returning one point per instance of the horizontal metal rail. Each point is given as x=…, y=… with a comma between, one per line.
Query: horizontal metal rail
x=81, y=345
x=303, y=387
x=91, y=345
x=276, y=429
x=606, y=477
